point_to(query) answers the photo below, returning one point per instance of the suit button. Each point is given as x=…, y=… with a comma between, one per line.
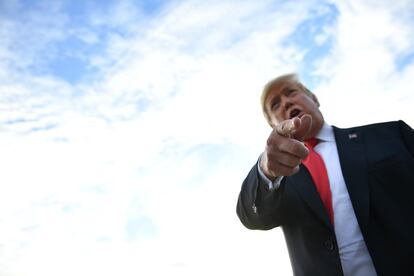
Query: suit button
x=330, y=245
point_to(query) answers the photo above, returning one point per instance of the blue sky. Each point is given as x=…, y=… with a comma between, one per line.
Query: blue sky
x=127, y=126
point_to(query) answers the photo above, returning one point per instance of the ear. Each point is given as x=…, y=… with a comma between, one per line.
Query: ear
x=314, y=98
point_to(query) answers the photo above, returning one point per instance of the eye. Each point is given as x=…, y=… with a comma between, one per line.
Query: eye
x=275, y=105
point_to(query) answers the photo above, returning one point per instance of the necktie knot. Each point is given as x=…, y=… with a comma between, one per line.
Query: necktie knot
x=312, y=142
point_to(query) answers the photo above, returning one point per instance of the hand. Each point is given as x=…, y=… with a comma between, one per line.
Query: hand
x=284, y=149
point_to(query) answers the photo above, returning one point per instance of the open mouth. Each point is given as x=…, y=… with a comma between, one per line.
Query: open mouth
x=294, y=113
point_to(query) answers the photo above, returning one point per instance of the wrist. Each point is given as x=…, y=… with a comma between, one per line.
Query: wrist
x=264, y=168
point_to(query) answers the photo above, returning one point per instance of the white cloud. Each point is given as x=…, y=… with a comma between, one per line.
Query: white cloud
x=361, y=69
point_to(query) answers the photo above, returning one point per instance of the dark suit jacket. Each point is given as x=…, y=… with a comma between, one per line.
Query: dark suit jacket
x=377, y=163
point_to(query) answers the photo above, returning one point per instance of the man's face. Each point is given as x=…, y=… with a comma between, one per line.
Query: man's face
x=288, y=100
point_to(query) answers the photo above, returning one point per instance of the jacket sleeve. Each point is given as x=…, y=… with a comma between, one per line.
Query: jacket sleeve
x=407, y=134
x=257, y=206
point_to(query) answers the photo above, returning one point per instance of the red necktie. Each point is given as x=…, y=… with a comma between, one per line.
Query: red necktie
x=316, y=167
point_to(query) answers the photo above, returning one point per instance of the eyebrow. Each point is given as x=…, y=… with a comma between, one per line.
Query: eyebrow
x=277, y=97
x=286, y=89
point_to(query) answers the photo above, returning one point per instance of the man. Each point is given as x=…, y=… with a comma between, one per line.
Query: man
x=346, y=204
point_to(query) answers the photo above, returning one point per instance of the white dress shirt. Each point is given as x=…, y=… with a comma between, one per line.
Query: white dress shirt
x=355, y=258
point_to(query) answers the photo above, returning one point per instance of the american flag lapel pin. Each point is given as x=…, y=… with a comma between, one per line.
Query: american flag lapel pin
x=352, y=136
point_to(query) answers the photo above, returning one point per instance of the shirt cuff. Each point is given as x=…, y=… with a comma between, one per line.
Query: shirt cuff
x=270, y=185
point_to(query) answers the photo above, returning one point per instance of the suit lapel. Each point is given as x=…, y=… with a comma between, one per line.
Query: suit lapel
x=302, y=182
x=352, y=158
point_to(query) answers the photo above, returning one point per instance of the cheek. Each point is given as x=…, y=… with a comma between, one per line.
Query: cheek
x=274, y=122
x=310, y=106
x=280, y=115
x=277, y=118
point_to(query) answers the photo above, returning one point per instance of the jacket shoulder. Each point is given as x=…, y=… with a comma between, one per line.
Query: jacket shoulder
x=381, y=125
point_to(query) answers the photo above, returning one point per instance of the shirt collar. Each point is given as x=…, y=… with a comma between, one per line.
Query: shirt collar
x=326, y=133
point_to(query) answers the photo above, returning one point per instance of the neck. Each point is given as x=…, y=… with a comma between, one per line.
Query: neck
x=314, y=130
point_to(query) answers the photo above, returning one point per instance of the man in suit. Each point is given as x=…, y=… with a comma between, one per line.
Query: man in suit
x=360, y=220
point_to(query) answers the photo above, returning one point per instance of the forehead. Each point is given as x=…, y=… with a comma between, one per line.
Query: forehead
x=278, y=89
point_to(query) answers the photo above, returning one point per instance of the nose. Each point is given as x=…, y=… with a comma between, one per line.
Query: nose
x=285, y=102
